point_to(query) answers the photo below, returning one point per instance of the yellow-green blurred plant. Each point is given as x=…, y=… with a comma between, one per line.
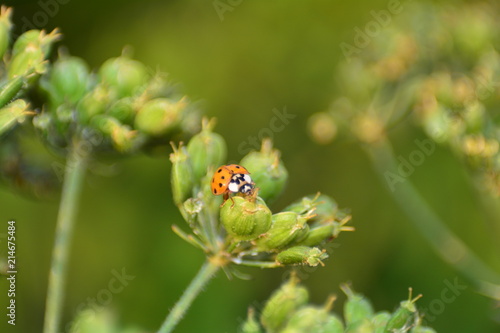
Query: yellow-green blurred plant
x=439, y=67
x=288, y=311
x=242, y=230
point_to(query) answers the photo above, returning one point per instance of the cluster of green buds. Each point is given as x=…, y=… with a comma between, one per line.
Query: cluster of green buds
x=122, y=106
x=242, y=230
x=22, y=62
x=288, y=311
x=21, y=65
x=444, y=70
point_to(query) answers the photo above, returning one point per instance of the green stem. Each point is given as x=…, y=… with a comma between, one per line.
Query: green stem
x=451, y=248
x=204, y=275
x=76, y=165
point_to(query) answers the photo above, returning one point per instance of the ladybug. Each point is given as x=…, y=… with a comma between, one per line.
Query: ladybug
x=232, y=178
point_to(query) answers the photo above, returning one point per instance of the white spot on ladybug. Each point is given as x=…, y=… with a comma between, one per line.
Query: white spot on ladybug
x=233, y=187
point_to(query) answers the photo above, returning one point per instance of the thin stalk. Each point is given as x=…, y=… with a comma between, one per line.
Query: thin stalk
x=76, y=165
x=206, y=272
x=450, y=248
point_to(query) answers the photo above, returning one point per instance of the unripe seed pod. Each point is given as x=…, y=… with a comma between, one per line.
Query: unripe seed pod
x=282, y=303
x=379, y=321
x=285, y=228
x=317, y=235
x=10, y=89
x=95, y=102
x=68, y=80
x=30, y=61
x=123, y=75
x=251, y=325
x=12, y=114
x=313, y=319
x=5, y=27
x=357, y=307
x=404, y=314
x=122, y=110
x=206, y=149
x=361, y=326
x=297, y=255
x=37, y=38
x=182, y=174
x=245, y=218
x=121, y=135
x=267, y=170
x=160, y=115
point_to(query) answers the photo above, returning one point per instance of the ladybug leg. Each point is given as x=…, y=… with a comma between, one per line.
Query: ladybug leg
x=232, y=200
x=225, y=196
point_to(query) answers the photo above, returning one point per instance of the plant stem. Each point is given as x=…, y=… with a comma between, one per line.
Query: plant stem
x=450, y=248
x=206, y=272
x=76, y=165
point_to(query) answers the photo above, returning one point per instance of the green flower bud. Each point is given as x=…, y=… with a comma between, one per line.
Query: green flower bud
x=267, y=170
x=123, y=75
x=68, y=80
x=122, y=110
x=318, y=234
x=206, y=149
x=282, y=303
x=313, y=319
x=301, y=255
x=284, y=229
x=95, y=102
x=357, y=307
x=12, y=114
x=158, y=116
x=5, y=27
x=36, y=38
x=245, y=218
x=404, y=315
x=121, y=135
x=380, y=320
x=251, y=325
x=10, y=89
x=182, y=174
x=30, y=61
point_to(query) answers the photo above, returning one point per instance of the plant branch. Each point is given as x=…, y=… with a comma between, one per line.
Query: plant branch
x=206, y=272
x=76, y=165
x=450, y=248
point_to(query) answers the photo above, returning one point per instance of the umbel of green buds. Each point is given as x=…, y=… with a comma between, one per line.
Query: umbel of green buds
x=206, y=149
x=245, y=218
x=296, y=255
x=267, y=169
x=314, y=319
x=251, y=325
x=286, y=227
x=282, y=303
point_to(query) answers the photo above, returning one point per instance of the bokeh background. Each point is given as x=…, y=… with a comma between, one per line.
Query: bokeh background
x=257, y=57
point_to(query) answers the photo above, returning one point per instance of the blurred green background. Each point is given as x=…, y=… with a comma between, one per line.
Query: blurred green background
x=260, y=56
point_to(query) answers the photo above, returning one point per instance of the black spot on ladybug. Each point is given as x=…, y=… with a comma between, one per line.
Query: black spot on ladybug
x=222, y=177
x=215, y=191
x=220, y=185
x=237, y=167
x=220, y=169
